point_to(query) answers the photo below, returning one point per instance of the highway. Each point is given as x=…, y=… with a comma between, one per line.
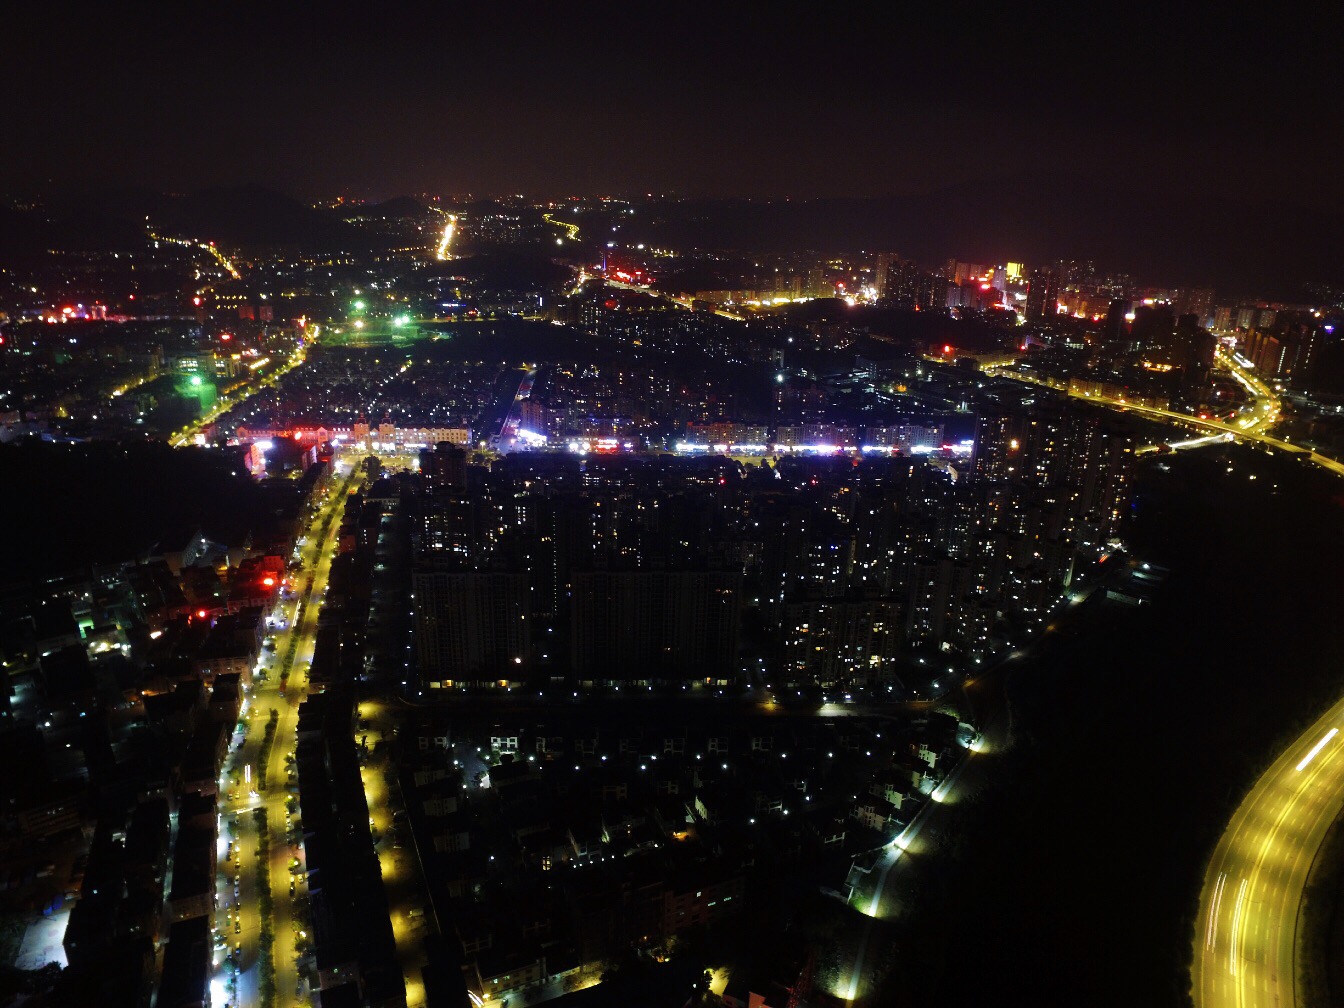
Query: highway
x=208, y=248
x=1253, y=425
x=1246, y=935
x=684, y=302
x=238, y=916
x=571, y=230
x=441, y=253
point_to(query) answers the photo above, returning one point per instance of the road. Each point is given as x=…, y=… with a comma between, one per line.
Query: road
x=441, y=253
x=1246, y=935
x=508, y=394
x=397, y=856
x=684, y=302
x=1253, y=425
x=206, y=247
x=571, y=230
x=986, y=702
x=238, y=917
x=187, y=435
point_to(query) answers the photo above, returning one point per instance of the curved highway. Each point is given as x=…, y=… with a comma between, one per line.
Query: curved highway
x=1246, y=935
x=1253, y=424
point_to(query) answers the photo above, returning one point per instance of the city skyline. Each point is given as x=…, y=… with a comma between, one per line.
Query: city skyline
x=749, y=506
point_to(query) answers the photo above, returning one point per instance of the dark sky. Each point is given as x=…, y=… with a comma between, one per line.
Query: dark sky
x=793, y=99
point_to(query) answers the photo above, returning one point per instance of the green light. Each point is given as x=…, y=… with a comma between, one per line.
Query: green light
x=196, y=380
x=402, y=320
x=359, y=306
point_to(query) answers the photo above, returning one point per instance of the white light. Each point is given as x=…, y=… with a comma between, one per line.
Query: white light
x=1315, y=750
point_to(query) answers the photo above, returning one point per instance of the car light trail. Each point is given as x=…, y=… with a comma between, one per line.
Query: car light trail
x=1315, y=750
x=447, y=238
x=1211, y=934
x=1236, y=924
x=1268, y=848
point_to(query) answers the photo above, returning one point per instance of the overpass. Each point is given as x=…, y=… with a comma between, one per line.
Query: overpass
x=1252, y=426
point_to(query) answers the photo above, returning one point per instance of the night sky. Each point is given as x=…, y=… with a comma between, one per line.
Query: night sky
x=791, y=99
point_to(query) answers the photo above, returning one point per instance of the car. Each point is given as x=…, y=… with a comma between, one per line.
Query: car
x=237, y=927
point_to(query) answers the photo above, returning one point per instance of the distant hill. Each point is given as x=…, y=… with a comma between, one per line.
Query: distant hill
x=1239, y=247
x=23, y=233
x=1236, y=246
x=246, y=216
x=252, y=215
x=28, y=234
x=399, y=206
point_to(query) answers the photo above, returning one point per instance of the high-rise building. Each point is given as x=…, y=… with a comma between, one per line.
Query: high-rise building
x=638, y=625
x=470, y=626
x=908, y=286
x=444, y=526
x=1119, y=315
x=444, y=467
x=1196, y=301
x=899, y=286
x=880, y=268
x=838, y=641
x=1300, y=332
x=1042, y=294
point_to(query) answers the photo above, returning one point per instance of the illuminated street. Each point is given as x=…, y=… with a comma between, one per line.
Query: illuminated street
x=396, y=850
x=578, y=533
x=1246, y=935
x=987, y=695
x=191, y=433
x=441, y=253
x=1253, y=426
x=206, y=247
x=238, y=918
